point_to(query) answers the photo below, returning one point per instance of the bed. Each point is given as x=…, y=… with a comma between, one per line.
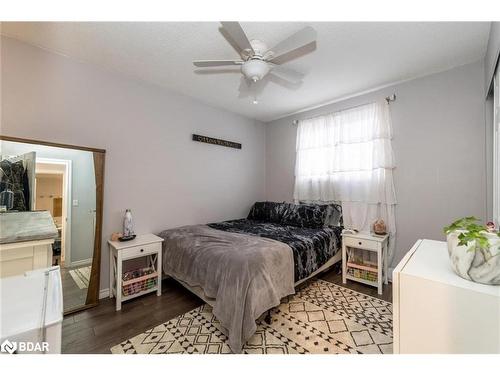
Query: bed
x=312, y=247
x=244, y=267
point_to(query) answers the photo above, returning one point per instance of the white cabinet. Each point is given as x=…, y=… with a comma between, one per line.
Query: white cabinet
x=17, y=258
x=31, y=311
x=26, y=240
x=438, y=312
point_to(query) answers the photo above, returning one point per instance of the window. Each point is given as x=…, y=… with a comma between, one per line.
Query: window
x=347, y=156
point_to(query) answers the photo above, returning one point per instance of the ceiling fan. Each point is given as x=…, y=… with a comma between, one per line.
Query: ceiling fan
x=258, y=62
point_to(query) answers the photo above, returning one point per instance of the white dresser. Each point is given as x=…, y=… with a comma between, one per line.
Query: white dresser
x=26, y=240
x=438, y=312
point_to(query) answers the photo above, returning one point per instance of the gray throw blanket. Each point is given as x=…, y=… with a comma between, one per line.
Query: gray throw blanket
x=246, y=275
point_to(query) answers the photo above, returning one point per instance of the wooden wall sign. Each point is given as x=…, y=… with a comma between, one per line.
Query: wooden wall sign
x=215, y=141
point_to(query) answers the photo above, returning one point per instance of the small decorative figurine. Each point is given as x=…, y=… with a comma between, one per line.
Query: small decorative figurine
x=490, y=227
x=379, y=227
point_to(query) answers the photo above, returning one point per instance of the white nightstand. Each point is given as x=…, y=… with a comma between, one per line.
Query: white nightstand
x=367, y=242
x=146, y=245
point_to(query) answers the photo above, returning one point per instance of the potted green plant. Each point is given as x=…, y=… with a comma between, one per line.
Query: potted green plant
x=474, y=250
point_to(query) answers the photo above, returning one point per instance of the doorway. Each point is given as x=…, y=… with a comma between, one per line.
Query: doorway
x=53, y=193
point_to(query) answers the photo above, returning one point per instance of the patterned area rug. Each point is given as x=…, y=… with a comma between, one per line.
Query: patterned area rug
x=81, y=276
x=320, y=318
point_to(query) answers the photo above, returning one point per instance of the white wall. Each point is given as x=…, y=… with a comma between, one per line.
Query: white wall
x=152, y=166
x=489, y=119
x=439, y=144
x=82, y=189
x=167, y=180
x=491, y=58
x=490, y=65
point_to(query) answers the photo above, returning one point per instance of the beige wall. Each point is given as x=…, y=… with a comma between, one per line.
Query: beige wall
x=48, y=187
x=152, y=165
x=439, y=145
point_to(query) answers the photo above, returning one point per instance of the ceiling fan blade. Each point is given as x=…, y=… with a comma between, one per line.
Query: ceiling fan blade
x=230, y=40
x=283, y=82
x=244, y=89
x=217, y=71
x=294, y=54
x=210, y=63
x=251, y=89
x=287, y=73
x=302, y=39
x=237, y=34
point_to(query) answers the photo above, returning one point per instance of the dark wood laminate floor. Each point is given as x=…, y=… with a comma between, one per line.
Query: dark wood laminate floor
x=98, y=329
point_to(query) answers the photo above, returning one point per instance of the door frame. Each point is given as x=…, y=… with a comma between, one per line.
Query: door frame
x=67, y=189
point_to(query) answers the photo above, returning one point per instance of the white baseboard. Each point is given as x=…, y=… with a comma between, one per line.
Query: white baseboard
x=104, y=293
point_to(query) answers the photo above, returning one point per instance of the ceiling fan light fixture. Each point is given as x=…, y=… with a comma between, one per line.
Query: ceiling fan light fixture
x=257, y=60
x=255, y=70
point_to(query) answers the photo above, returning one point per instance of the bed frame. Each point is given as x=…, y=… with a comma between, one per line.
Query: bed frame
x=198, y=291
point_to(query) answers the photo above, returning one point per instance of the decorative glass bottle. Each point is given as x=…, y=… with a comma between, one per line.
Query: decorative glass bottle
x=128, y=228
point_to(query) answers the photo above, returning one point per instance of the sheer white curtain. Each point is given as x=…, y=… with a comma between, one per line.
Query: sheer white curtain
x=347, y=156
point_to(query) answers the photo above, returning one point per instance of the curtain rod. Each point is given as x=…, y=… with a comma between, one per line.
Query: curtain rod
x=388, y=99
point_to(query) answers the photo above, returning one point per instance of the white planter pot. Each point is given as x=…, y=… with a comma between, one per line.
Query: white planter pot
x=475, y=265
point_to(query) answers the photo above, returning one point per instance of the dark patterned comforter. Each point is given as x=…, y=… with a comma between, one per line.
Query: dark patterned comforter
x=312, y=247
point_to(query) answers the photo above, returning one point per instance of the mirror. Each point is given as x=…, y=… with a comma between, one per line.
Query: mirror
x=65, y=182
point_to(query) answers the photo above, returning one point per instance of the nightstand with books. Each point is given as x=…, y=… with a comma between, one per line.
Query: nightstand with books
x=360, y=267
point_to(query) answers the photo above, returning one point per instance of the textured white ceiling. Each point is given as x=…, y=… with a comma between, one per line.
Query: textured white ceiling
x=350, y=57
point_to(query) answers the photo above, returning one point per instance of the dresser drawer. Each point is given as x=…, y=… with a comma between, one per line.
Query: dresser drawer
x=360, y=243
x=137, y=251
